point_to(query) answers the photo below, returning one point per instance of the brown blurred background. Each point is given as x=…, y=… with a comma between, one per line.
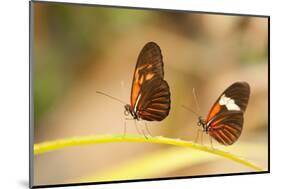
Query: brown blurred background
x=81, y=49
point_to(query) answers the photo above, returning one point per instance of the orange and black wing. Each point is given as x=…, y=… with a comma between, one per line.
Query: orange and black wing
x=225, y=119
x=149, y=66
x=154, y=100
x=226, y=128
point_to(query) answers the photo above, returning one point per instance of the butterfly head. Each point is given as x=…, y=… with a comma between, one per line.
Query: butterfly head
x=201, y=122
x=128, y=111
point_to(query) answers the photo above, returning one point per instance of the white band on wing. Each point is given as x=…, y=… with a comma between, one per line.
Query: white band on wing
x=229, y=103
x=137, y=101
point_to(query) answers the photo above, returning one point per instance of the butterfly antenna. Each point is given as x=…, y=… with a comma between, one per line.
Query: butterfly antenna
x=190, y=110
x=195, y=98
x=99, y=92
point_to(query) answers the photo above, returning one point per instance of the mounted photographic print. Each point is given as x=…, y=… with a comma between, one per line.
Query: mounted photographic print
x=121, y=94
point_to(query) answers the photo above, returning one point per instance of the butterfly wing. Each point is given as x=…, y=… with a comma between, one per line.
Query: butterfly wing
x=226, y=128
x=225, y=119
x=154, y=101
x=149, y=66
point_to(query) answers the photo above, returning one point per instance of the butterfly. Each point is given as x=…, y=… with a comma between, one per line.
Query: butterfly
x=224, y=122
x=150, y=93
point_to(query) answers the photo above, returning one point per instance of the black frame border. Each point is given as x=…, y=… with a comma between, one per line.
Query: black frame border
x=31, y=99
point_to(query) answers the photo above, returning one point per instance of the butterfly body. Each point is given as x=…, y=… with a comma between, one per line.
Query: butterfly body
x=225, y=120
x=150, y=93
x=129, y=110
x=201, y=122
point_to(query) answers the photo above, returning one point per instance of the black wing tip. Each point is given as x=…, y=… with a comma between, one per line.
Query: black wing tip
x=152, y=44
x=242, y=83
x=154, y=47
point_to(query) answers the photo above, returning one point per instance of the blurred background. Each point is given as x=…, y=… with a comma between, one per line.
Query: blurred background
x=79, y=50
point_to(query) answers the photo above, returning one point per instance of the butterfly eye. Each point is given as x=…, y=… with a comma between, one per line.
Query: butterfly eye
x=126, y=112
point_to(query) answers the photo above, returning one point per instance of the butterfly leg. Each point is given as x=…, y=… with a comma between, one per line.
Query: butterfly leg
x=141, y=130
x=197, y=135
x=211, y=141
x=125, y=128
x=147, y=129
x=201, y=138
x=137, y=128
x=144, y=134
